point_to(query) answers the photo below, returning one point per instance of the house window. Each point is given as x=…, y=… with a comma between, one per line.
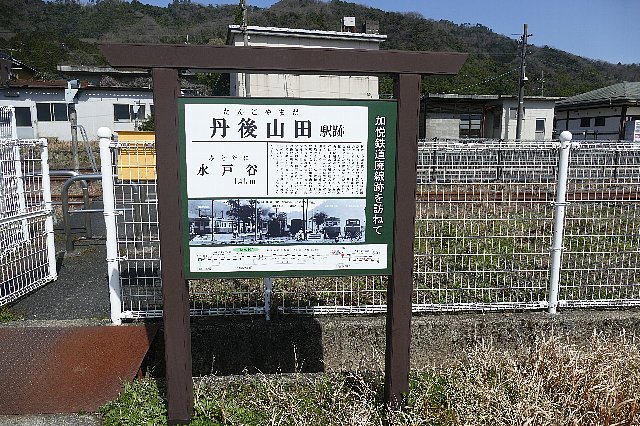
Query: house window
x=23, y=116
x=55, y=111
x=585, y=122
x=599, y=121
x=127, y=113
x=540, y=129
x=470, y=125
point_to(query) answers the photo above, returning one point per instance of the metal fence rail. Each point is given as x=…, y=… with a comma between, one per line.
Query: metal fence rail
x=331, y=295
x=601, y=262
x=138, y=245
x=484, y=227
x=8, y=123
x=27, y=258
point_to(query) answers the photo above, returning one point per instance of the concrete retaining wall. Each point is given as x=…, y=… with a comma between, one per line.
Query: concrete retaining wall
x=233, y=345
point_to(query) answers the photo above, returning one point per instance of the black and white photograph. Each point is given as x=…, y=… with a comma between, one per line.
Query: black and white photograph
x=271, y=221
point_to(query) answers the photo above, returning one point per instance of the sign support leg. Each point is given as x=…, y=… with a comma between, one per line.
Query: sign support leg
x=399, y=291
x=177, y=328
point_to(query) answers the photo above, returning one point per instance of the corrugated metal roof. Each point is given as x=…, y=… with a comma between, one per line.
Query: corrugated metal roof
x=627, y=91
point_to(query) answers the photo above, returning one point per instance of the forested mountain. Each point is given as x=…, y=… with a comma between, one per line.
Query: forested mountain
x=45, y=34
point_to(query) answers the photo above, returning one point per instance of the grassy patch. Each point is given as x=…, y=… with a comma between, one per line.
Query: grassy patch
x=552, y=383
x=6, y=315
x=141, y=402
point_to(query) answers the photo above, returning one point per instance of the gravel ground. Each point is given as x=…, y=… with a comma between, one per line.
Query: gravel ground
x=81, y=290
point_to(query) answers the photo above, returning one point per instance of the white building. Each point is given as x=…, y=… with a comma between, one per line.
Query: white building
x=606, y=113
x=453, y=116
x=42, y=110
x=304, y=86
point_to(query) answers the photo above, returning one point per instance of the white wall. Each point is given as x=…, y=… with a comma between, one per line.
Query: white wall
x=94, y=109
x=497, y=124
x=29, y=98
x=442, y=126
x=534, y=109
x=306, y=86
x=610, y=130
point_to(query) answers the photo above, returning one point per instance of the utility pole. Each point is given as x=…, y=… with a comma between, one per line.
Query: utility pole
x=523, y=78
x=73, y=118
x=70, y=98
x=245, y=36
x=542, y=94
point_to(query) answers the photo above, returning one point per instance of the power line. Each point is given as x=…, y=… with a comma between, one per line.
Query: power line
x=489, y=79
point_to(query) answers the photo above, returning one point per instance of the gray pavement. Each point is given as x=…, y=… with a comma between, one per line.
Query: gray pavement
x=52, y=420
x=80, y=292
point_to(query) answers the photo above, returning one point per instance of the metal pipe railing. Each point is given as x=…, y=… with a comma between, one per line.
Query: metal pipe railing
x=66, y=214
x=85, y=197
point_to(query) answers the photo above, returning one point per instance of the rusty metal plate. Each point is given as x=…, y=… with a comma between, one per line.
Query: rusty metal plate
x=68, y=369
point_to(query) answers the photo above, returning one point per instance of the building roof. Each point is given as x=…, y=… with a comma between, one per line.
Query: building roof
x=473, y=97
x=16, y=63
x=298, y=33
x=84, y=69
x=627, y=92
x=39, y=84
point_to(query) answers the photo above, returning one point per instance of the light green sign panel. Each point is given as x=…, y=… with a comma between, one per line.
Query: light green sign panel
x=287, y=187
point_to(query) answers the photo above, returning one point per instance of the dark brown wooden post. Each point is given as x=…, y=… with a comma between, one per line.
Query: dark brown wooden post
x=400, y=288
x=175, y=293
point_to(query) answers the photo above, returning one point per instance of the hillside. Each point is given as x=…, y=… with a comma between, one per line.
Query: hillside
x=46, y=34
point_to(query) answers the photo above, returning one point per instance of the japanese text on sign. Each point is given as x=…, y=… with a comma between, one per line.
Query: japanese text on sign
x=270, y=151
x=378, y=174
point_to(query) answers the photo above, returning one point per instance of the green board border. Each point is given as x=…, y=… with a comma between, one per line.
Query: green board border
x=386, y=108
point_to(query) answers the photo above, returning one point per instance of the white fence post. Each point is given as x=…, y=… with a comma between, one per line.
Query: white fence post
x=8, y=127
x=46, y=196
x=558, y=220
x=115, y=294
x=22, y=203
x=14, y=126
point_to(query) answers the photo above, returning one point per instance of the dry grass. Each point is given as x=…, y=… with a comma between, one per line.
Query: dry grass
x=554, y=383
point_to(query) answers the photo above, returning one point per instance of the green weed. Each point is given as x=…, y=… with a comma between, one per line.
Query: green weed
x=6, y=315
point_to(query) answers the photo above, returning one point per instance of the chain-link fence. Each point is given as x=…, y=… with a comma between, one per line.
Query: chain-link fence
x=27, y=259
x=484, y=229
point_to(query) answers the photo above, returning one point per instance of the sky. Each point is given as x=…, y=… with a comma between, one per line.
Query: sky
x=607, y=30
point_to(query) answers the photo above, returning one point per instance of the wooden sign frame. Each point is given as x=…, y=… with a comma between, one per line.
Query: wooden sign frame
x=165, y=61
